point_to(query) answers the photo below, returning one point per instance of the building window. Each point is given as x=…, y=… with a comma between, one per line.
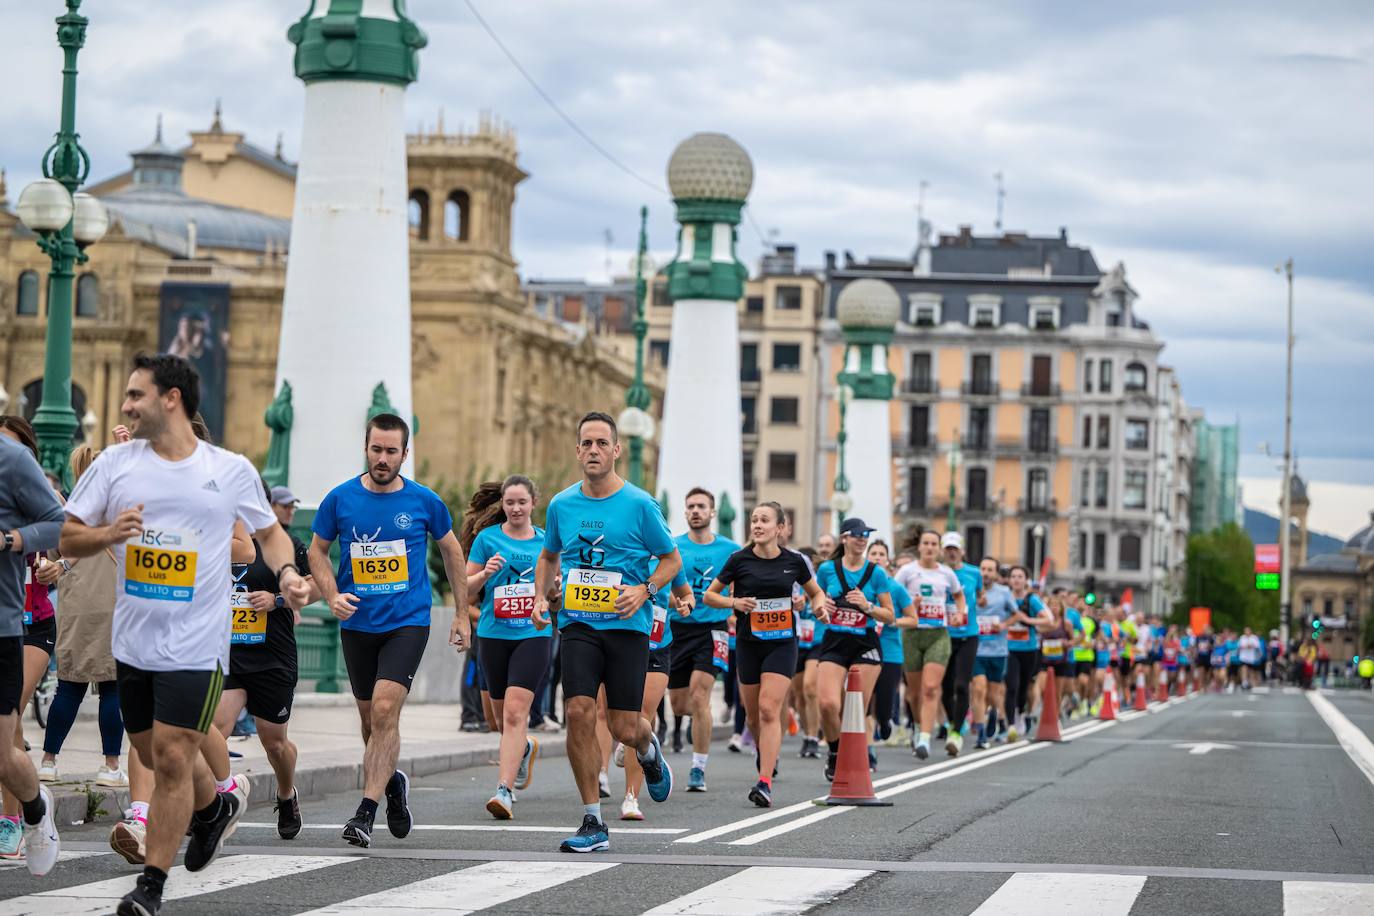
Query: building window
x=1044, y=318
x=748, y=415
x=87, y=296
x=1307, y=605
x=925, y=310
x=1088, y=376
x=1137, y=434
x=1099, y=550
x=1038, y=490
x=1104, y=376
x=1042, y=368
x=1087, y=431
x=1328, y=607
x=1129, y=555
x=976, y=499
x=1085, y=488
x=1104, y=431
x=749, y=362
x=753, y=304
x=916, y=489
x=919, y=430
x=1082, y=559
x=784, y=411
x=782, y=466
x=920, y=381
x=456, y=210
x=978, y=424
x=787, y=357
x=1040, y=429
x=747, y=460
x=1134, y=487
x=1103, y=479
x=1349, y=608
x=1136, y=377
x=26, y=302
x=658, y=351
x=984, y=311
x=982, y=374
x=417, y=214
x=975, y=541
x=788, y=298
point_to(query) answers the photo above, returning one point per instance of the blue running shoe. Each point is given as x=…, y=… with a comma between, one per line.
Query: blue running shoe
x=696, y=780
x=658, y=776
x=592, y=836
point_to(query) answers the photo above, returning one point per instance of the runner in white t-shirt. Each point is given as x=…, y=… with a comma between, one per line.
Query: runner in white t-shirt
x=165, y=505
x=1251, y=658
x=932, y=586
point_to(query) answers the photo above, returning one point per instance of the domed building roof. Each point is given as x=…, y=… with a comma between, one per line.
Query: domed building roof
x=868, y=303
x=710, y=166
x=1362, y=541
x=1297, y=489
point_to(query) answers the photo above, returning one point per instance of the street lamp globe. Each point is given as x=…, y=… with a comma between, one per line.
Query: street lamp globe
x=1038, y=532
x=89, y=423
x=842, y=502
x=45, y=206
x=636, y=423
x=89, y=219
x=710, y=166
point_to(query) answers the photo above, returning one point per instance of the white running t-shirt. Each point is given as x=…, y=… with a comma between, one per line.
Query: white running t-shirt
x=931, y=590
x=172, y=591
x=1250, y=650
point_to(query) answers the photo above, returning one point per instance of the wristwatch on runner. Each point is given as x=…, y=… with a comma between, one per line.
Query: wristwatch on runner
x=651, y=589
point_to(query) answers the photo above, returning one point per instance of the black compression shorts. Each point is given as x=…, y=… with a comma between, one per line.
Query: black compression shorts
x=757, y=657
x=617, y=659
x=693, y=650
x=270, y=692
x=847, y=649
x=391, y=656
x=514, y=663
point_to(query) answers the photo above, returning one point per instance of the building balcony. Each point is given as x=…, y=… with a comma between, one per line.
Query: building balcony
x=979, y=388
x=1037, y=509
x=976, y=445
x=1028, y=447
x=1032, y=390
x=925, y=386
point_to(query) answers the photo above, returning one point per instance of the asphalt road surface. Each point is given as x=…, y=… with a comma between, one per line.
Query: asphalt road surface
x=1251, y=803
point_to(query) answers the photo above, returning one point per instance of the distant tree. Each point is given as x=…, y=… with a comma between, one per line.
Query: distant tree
x=1221, y=576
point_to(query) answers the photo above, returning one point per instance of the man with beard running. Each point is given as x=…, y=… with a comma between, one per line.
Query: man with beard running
x=165, y=505
x=381, y=595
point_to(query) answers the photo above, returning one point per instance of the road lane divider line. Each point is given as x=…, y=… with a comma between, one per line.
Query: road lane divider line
x=467, y=890
x=1088, y=731
x=1046, y=894
x=1357, y=745
x=495, y=828
x=765, y=891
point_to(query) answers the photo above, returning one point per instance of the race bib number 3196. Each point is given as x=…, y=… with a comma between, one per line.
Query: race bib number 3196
x=161, y=564
x=379, y=567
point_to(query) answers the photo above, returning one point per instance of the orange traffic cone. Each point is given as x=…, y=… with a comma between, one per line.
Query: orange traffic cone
x=852, y=784
x=1162, y=694
x=1140, y=704
x=1108, y=711
x=1048, y=727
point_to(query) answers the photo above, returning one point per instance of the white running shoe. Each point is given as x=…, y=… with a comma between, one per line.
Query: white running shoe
x=240, y=791
x=619, y=755
x=41, y=845
x=605, y=782
x=47, y=772
x=113, y=779
x=129, y=838
x=629, y=809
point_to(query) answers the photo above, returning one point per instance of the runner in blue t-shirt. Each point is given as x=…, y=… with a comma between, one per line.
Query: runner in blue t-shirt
x=514, y=652
x=381, y=595
x=700, y=640
x=884, y=706
x=1023, y=650
x=988, y=686
x=602, y=533
x=963, y=643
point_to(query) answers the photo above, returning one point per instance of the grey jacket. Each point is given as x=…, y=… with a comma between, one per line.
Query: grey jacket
x=27, y=503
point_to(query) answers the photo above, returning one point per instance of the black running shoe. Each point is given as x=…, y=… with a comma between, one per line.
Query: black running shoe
x=830, y=761
x=677, y=742
x=358, y=831
x=398, y=819
x=208, y=838
x=140, y=902
x=761, y=795
x=942, y=734
x=288, y=816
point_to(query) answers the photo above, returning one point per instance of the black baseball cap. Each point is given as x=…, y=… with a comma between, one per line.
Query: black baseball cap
x=856, y=527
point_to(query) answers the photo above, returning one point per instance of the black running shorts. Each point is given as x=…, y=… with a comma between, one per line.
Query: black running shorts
x=757, y=657
x=847, y=649
x=42, y=634
x=391, y=656
x=514, y=662
x=184, y=699
x=617, y=659
x=661, y=659
x=11, y=673
x=693, y=650
x=270, y=693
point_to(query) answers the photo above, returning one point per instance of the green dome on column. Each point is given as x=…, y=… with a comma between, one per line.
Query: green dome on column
x=343, y=44
x=710, y=176
x=868, y=311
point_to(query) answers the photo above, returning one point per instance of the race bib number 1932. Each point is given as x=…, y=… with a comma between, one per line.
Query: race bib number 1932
x=161, y=564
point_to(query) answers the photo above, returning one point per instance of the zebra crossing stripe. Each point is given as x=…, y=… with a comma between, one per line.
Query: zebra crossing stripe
x=1322, y=898
x=764, y=891
x=478, y=888
x=1046, y=894
x=228, y=872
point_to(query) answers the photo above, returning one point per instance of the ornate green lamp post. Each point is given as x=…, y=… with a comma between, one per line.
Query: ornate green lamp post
x=635, y=420
x=66, y=223
x=841, y=501
x=954, y=456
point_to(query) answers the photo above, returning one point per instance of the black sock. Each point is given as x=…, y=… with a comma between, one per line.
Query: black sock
x=34, y=809
x=367, y=808
x=212, y=811
x=152, y=880
x=834, y=746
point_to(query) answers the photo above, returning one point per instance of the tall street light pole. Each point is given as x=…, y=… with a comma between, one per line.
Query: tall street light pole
x=635, y=420
x=1285, y=541
x=65, y=222
x=841, y=501
x=954, y=456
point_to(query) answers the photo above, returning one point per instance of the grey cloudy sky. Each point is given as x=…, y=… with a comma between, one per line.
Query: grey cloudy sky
x=1199, y=143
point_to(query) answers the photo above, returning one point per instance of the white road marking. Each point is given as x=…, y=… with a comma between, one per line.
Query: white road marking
x=1198, y=748
x=1043, y=894
x=498, y=828
x=1323, y=898
x=65, y=855
x=1292, y=691
x=468, y=890
x=1357, y=745
x=227, y=872
x=764, y=891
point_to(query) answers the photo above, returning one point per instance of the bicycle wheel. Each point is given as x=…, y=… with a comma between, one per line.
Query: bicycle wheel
x=42, y=698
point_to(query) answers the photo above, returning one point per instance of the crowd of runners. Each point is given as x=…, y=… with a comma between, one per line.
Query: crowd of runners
x=186, y=556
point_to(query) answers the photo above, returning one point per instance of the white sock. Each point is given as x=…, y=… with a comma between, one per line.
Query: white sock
x=224, y=785
x=699, y=760
x=594, y=810
x=139, y=810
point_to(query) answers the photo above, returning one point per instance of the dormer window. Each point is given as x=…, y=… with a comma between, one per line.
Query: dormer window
x=985, y=316
x=1044, y=313
x=925, y=310
x=984, y=311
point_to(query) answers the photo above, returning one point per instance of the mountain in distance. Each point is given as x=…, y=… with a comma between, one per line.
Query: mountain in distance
x=1263, y=528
